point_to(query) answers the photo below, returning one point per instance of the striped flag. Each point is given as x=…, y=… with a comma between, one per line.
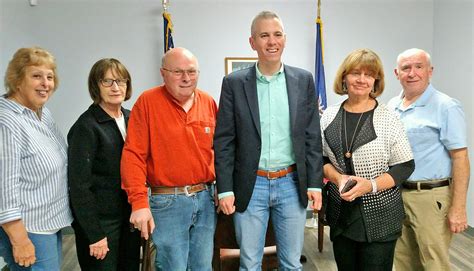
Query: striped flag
x=320, y=81
x=168, y=30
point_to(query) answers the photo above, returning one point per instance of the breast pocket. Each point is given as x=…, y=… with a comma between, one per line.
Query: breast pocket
x=422, y=138
x=204, y=133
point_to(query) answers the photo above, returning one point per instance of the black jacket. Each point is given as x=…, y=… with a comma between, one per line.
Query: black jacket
x=94, y=153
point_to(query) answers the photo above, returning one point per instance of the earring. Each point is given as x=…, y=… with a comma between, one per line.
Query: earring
x=344, y=87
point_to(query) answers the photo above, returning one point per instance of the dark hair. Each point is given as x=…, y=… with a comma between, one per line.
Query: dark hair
x=97, y=73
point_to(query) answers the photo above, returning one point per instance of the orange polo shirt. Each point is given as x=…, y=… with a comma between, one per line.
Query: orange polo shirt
x=165, y=146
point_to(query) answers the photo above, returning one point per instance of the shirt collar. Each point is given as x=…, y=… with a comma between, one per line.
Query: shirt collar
x=14, y=106
x=263, y=78
x=421, y=101
x=425, y=97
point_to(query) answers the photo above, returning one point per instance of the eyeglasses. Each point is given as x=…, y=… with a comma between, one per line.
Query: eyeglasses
x=180, y=73
x=110, y=82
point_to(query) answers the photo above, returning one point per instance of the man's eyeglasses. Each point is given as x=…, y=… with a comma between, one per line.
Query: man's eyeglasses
x=110, y=82
x=180, y=73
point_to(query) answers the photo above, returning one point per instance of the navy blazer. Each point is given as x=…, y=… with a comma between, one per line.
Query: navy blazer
x=237, y=139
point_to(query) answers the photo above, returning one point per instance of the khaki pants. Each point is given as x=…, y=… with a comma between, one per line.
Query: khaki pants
x=425, y=240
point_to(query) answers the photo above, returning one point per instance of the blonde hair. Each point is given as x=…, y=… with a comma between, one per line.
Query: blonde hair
x=361, y=59
x=25, y=57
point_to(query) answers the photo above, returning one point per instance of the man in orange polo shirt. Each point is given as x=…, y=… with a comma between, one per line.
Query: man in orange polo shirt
x=169, y=148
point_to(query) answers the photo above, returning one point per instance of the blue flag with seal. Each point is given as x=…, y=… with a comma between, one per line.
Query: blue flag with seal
x=168, y=30
x=320, y=81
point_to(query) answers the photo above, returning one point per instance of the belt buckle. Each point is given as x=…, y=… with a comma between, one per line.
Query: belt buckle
x=272, y=178
x=186, y=192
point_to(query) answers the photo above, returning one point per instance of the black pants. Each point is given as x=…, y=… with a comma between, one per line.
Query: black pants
x=360, y=256
x=124, y=248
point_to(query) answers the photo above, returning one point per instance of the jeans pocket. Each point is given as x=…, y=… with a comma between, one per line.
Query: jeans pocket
x=293, y=176
x=161, y=202
x=212, y=190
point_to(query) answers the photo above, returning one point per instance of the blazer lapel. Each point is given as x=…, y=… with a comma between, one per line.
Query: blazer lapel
x=292, y=89
x=250, y=88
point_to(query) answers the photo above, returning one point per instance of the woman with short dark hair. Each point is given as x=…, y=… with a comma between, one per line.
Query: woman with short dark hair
x=100, y=208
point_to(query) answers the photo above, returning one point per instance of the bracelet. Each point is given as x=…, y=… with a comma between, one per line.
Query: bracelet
x=374, y=186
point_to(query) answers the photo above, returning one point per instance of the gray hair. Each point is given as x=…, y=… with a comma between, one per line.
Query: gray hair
x=414, y=51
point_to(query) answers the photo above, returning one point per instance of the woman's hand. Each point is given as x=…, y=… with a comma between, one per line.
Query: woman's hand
x=362, y=187
x=342, y=180
x=99, y=250
x=24, y=252
x=22, y=248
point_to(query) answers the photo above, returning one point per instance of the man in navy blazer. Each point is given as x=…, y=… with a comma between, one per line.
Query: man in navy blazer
x=267, y=146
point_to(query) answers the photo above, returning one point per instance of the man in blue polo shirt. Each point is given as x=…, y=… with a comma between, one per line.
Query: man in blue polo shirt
x=435, y=194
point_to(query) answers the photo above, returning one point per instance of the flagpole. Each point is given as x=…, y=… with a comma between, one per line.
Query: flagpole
x=167, y=27
x=320, y=22
x=320, y=81
x=319, y=9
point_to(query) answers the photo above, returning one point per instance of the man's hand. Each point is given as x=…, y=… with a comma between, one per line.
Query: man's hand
x=226, y=205
x=457, y=219
x=99, y=249
x=143, y=221
x=317, y=199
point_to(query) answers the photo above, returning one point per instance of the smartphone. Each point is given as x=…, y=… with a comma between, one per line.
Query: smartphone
x=348, y=186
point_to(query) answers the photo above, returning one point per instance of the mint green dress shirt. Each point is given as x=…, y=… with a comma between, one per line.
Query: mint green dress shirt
x=277, y=148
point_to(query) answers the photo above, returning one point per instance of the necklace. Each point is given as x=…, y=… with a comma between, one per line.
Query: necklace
x=348, y=153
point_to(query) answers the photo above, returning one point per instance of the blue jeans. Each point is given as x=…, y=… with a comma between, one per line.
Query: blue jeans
x=279, y=199
x=184, y=233
x=48, y=250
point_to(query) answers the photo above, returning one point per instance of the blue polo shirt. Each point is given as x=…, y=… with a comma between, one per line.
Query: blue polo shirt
x=435, y=124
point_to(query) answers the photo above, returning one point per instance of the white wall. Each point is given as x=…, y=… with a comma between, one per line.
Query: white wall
x=79, y=32
x=453, y=57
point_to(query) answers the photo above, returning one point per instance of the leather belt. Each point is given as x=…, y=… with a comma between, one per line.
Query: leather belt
x=275, y=174
x=188, y=190
x=426, y=185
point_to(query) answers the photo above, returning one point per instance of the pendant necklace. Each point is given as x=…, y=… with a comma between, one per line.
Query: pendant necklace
x=348, y=153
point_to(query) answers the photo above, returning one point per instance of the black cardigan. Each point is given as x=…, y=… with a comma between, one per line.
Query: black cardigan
x=94, y=153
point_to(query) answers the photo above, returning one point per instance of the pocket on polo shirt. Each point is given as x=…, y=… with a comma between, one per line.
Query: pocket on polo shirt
x=204, y=132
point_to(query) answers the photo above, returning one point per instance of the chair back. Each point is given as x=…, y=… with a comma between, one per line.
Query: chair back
x=226, y=249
